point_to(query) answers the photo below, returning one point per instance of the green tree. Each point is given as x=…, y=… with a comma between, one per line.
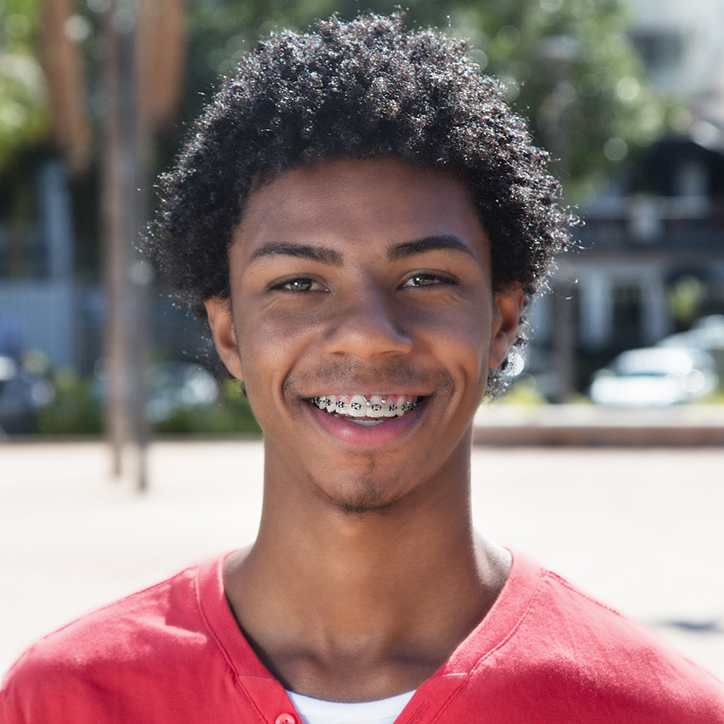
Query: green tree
x=568, y=65
x=23, y=98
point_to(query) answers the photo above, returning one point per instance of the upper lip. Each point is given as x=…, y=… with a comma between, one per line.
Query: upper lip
x=388, y=393
x=409, y=383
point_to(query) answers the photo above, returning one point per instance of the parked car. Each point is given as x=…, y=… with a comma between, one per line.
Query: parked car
x=175, y=386
x=171, y=388
x=706, y=333
x=21, y=395
x=655, y=377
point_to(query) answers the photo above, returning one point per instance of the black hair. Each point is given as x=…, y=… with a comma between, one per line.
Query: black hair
x=357, y=89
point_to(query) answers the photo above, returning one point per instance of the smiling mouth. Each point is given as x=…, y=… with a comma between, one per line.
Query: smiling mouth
x=366, y=410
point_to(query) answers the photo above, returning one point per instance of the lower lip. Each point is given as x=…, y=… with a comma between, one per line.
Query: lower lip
x=353, y=434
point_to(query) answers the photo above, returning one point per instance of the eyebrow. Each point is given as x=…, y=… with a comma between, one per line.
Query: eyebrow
x=448, y=242
x=325, y=255
x=300, y=251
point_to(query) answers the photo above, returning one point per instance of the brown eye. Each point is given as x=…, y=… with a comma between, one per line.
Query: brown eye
x=299, y=285
x=426, y=280
x=422, y=280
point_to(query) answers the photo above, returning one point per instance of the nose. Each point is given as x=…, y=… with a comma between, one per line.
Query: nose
x=367, y=325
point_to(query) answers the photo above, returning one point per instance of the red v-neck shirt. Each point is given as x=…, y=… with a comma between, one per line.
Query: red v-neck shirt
x=173, y=654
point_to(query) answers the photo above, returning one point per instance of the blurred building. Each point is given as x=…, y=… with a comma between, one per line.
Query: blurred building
x=649, y=236
x=683, y=47
x=654, y=238
x=38, y=298
x=51, y=297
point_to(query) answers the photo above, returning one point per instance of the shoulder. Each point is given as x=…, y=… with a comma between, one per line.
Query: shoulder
x=126, y=644
x=130, y=624
x=566, y=650
x=584, y=623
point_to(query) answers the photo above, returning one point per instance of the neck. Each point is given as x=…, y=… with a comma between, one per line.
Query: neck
x=405, y=583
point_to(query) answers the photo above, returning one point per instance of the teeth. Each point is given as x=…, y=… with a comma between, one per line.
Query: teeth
x=374, y=407
x=370, y=408
x=358, y=406
x=402, y=406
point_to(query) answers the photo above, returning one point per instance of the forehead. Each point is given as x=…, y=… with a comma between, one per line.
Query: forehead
x=359, y=204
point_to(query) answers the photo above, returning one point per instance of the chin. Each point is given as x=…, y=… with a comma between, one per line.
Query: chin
x=365, y=495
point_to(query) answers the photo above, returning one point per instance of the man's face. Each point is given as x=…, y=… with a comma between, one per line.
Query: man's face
x=363, y=323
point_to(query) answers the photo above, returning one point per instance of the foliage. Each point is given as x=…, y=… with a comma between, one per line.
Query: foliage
x=74, y=409
x=567, y=64
x=523, y=392
x=686, y=300
x=713, y=398
x=232, y=414
x=24, y=117
x=570, y=67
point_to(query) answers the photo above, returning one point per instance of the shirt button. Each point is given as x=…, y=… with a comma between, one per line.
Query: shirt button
x=285, y=719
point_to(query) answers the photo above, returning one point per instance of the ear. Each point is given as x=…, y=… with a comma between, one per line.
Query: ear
x=221, y=322
x=507, y=308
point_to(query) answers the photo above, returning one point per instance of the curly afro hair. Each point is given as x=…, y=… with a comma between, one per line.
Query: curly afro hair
x=356, y=89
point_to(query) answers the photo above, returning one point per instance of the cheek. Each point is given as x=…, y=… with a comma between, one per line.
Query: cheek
x=462, y=332
x=269, y=345
x=257, y=348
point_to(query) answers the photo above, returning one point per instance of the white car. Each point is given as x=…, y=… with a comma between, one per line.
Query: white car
x=706, y=333
x=655, y=377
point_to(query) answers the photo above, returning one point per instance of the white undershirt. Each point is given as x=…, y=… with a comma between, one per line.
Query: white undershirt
x=317, y=711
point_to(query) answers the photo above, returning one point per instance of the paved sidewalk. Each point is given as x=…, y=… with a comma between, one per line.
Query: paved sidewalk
x=641, y=530
x=683, y=426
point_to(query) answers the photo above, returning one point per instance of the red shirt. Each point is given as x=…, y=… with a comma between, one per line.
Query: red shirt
x=173, y=653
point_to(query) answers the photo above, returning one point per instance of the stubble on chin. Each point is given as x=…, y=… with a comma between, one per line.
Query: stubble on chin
x=364, y=495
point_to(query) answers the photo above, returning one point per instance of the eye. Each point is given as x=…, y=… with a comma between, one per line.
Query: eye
x=427, y=280
x=297, y=284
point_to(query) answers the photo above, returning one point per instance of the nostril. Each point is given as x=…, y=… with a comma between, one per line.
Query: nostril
x=367, y=324
x=366, y=337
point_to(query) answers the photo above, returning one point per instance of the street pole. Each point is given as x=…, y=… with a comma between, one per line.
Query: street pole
x=564, y=343
x=559, y=52
x=143, y=71
x=125, y=319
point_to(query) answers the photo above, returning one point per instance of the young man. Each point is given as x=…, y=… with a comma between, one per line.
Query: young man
x=363, y=221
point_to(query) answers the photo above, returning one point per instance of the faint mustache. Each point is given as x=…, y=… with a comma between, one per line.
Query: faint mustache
x=351, y=375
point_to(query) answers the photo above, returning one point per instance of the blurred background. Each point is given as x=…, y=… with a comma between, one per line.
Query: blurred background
x=628, y=348
x=95, y=99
